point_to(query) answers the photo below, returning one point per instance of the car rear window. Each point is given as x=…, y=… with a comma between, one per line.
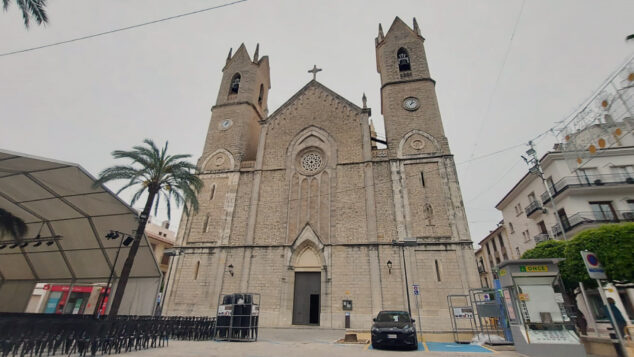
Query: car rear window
x=395, y=316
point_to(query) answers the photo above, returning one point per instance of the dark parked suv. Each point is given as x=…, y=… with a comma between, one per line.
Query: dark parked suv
x=394, y=329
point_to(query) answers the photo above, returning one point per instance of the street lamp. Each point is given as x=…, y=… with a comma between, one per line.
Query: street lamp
x=389, y=267
x=230, y=269
x=535, y=168
x=174, y=252
x=409, y=242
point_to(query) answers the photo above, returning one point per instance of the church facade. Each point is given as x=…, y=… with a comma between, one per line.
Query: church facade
x=302, y=206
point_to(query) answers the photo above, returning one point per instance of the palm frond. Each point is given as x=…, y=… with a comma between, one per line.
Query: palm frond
x=12, y=225
x=34, y=8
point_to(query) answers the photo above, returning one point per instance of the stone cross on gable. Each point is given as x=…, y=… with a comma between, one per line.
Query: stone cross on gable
x=314, y=71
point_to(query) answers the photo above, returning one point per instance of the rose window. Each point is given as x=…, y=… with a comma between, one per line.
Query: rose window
x=311, y=162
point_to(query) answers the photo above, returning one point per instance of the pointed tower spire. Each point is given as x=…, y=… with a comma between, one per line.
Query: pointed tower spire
x=256, y=55
x=416, y=28
x=381, y=36
x=229, y=56
x=365, y=101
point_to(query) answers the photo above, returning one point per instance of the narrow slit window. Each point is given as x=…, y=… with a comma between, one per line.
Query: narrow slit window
x=437, y=270
x=213, y=192
x=206, y=224
x=196, y=269
x=422, y=178
x=261, y=95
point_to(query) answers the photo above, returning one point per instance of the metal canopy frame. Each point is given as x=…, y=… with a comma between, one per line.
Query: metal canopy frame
x=58, y=198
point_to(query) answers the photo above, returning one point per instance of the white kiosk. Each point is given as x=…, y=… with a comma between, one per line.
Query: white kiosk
x=539, y=323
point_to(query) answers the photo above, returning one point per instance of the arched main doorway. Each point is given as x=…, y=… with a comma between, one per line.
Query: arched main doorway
x=307, y=290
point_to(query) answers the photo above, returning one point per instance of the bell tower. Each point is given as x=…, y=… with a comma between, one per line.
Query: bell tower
x=240, y=106
x=408, y=95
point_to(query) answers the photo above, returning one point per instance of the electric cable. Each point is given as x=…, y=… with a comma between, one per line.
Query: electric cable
x=121, y=29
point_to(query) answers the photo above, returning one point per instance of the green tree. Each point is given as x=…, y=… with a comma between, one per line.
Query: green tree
x=11, y=225
x=30, y=8
x=614, y=246
x=158, y=174
x=612, y=243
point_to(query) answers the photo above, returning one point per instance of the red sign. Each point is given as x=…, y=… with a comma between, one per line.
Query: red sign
x=76, y=289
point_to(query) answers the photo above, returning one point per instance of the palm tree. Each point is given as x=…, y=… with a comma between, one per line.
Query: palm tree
x=11, y=225
x=30, y=8
x=161, y=175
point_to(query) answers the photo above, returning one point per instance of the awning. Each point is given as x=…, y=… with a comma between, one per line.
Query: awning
x=58, y=198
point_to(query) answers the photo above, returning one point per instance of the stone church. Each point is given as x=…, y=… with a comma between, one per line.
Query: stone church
x=303, y=207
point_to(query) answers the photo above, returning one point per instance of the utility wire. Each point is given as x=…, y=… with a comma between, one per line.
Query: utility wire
x=121, y=29
x=497, y=80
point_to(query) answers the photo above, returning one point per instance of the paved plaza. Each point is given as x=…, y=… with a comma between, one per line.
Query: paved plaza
x=304, y=342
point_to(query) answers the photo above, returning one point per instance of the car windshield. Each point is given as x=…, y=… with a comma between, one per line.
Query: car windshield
x=393, y=316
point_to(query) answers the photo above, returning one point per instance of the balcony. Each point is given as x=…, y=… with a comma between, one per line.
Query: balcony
x=533, y=207
x=592, y=181
x=581, y=218
x=481, y=270
x=542, y=237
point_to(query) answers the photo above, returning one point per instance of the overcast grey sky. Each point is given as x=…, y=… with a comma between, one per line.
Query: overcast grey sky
x=79, y=102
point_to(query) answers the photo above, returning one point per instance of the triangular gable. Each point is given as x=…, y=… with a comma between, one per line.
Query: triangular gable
x=313, y=84
x=399, y=26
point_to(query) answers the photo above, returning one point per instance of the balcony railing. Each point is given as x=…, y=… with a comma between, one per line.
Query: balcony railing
x=586, y=181
x=541, y=237
x=533, y=207
x=580, y=218
x=481, y=269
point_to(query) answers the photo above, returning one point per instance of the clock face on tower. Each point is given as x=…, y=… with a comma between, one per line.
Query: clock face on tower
x=411, y=103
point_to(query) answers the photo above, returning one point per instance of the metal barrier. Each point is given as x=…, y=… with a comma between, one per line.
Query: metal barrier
x=36, y=334
x=238, y=317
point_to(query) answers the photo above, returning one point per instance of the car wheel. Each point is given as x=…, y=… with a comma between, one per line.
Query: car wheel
x=414, y=347
x=374, y=345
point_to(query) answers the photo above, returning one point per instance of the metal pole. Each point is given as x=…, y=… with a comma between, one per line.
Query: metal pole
x=585, y=301
x=420, y=324
x=167, y=281
x=612, y=320
x=114, y=265
x=409, y=308
x=540, y=173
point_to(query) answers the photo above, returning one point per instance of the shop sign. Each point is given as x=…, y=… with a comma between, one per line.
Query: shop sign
x=533, y=268
x=76, y=288
x=523, y=297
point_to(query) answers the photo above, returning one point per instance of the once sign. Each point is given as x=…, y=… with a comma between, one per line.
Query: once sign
x=595, y=270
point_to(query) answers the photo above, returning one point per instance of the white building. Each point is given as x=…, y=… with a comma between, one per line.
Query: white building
x=600, y=191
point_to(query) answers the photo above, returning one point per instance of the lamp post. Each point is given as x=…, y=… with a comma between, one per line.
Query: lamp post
x=110, y=236
x=536, y=169
x=170, y=253
x=409, y=242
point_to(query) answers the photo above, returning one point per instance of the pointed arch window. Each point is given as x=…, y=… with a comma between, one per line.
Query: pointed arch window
x=403, y=60
x=235, y=84
x=261, y=95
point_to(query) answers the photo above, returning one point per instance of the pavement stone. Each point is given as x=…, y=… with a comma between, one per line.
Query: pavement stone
x=303, y=342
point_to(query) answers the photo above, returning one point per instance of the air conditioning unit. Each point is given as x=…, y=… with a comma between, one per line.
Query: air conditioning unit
x=598, y=182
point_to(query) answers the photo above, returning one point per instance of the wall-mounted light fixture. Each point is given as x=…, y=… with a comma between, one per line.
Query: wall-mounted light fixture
x=230, y=269
x=389, y=267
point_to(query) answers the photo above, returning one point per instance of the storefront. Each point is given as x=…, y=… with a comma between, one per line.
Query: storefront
x=62, y=299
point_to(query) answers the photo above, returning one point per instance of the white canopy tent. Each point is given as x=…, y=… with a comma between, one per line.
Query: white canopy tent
x=58, y=198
